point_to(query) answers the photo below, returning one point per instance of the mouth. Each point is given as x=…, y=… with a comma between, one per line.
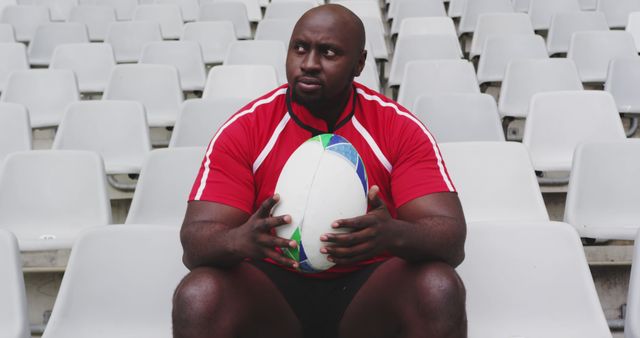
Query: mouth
x=308, y=84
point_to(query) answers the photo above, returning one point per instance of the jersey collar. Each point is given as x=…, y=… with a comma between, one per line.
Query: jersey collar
x=316, y=126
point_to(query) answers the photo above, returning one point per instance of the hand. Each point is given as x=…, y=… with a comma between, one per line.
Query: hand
x=368, y=236
x=255, y=238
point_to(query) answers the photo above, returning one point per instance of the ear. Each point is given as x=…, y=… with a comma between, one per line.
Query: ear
x=360, y=65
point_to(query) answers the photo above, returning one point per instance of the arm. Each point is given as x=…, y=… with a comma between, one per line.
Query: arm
x=430, y=227
x=214, y=234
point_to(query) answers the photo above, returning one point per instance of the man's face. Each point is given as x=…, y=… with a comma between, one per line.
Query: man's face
x=323, y=57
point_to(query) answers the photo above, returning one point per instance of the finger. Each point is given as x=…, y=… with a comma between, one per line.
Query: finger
x=267, y=205
x=349, y=252
x=356, y=223
x=281, y=259
x=375, y=201
x=267, y=224
x=350, y=238
x=271, y=241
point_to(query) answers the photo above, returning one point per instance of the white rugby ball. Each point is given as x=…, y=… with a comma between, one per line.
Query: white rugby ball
x=324, y=180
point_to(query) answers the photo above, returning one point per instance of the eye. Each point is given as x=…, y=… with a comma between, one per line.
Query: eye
x=299, y=48
x=330, y=52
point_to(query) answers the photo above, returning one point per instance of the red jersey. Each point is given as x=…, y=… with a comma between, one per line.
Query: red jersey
x=246, y=155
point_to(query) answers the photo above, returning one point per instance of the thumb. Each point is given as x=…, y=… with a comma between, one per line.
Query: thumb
x=374, y=198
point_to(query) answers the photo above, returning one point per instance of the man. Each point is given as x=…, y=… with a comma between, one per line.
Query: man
x=394, y=273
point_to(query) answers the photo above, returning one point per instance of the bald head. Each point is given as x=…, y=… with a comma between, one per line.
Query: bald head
x=347, y=22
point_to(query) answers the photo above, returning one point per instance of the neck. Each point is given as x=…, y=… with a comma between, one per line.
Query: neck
x=330, y=110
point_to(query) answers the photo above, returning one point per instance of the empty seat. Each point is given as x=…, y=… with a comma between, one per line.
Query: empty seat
x=258, y=52
x=14, y=319
x=117, y=130
x=15, y=130
x=563, y=25
x=421, y=47
x=375, y=36
x=521, y=277
x=124, y=8
x=240, y=81
x=362, y=8
x=91, y=62
x=45, y=92
x=526, y=77
x=436, y=77
x=275, y=29
x=617, y=11
x=495, y=181
x=157, y=87
x=59, y=9
x=460, y=117
x=199, y=119
x=498, y=24
x=592, y=52
x=521, y=6
x=127, y=38
x=189, y=8
x=13, y=56
x=107, y=267
x=168, y=17
x=632, y=321
x=603, y=190
x=287, y=9
x=416, y=8
x=431, y=25
x=456, y=7
x=254, y=12
x=473, y=10
x=96, y=18
x=541, y=11
x=623, y=79
x=369, y=75
x=25, y=19
x=498, y=51
x=49, y=36
x=186, y=56
x=46, y=209
x=633, y=27
x=163, y=189
x=6, y=33
x=214, y=38
x=235, y=12
x=587, y=5
x=559, y=121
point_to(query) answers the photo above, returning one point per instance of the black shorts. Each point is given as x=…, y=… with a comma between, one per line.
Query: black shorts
x=318, y=303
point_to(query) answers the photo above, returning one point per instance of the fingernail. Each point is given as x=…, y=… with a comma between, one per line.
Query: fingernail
x=323, y=250
x=324, y=238
x=335, y=225
x=330, y=259
x=293, y=244
x=287, y=218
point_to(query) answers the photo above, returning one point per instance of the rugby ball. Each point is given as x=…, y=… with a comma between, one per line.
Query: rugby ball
x=324, y=180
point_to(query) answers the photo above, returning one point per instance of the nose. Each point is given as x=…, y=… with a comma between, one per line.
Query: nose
x=311, y=62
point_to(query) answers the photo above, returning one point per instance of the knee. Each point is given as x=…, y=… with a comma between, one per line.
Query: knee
x=200, y=292
x=440, y=288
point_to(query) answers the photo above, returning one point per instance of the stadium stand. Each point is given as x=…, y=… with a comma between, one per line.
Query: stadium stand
x=47, y=209
x=617, y=11
x=236, y=12
x=91, y=63
x=592, y=52
x=460, y=117
x=258, y=52
x=127, y=38
x=168, y=17
x=13, y=56
x=499, y=186
x=109, y=265
x=13, y=308
x=524, y=292
x=186, y=56
x=563, y=25
x=96, y=18
x=49, y=36
x=199, y=119
x=498, y=24
x=603, y=188
x=499, y=50
x=541, y=11
x=15, y=129
x=25, y=20
x=214, y=38
x=240, y=81
x=163, y=189
x=473, y=9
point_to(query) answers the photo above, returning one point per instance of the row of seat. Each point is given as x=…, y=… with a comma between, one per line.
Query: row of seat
x=513, y=288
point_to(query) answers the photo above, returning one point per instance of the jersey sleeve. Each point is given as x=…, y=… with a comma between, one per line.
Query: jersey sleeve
x=418, y=168
x=226, y=174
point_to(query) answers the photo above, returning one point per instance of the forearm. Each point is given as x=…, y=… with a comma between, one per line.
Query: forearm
x=208, y=244
x=429, y=238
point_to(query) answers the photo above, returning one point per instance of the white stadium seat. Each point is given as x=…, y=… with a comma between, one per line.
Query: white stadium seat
x=563, y=25
x=157, y=87
x=129, y=37
x=617, y=11
x=6, y=33
x=186, y=56
x=499, y=50
x=14, y=319
x=521, y=6
x=25, y=19
x=498, y=24
x=421, y=47
x=632, y=320
x=433, y=77
x=416, y=8
x=240, y=81
x=119, y=279
x=163, y=189
x=500, y=186
x=588, y=5
x=91, y=62
x=362, y=8
x=59, y=9
x=124, y=8
x=189, y=8
x=541, y=11
x=49, y=36
x=369, y=75
x=559, y=121
x=96, y=18
x=287, y=9
x=516, y=289
x=456, y=7
x=460, y=117
x=603, y=190
x=254, y=12
x=13, y=56
x=633, y=27
x=117, y=130
x=430, y=25
x=214, y=38
x=235, y=12
x=15, y=130
x=473, y=10
x=275, y=29
x=168, y=16
x=376, y=38
x=258, y=52
x=623, y=77
x=199, y=119
x=526, y=77
x=592, y=52
x=47, y=209
x=45, y=93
